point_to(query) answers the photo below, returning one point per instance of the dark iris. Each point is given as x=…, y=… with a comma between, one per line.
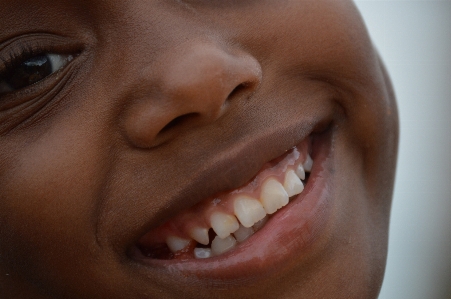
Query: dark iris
x=29, y=72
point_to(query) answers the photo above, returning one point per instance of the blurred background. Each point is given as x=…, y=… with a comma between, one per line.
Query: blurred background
x=414, y=39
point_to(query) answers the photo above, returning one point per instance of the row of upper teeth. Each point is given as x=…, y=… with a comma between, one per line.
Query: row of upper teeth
x=249, y=214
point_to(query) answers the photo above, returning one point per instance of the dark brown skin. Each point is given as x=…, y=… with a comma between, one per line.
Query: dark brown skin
x=91, y=158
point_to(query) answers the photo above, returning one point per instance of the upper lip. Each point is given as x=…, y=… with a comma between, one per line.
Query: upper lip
x=233, y=166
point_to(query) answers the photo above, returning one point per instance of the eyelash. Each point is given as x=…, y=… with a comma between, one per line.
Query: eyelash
x=18, y=55
x=23, y=54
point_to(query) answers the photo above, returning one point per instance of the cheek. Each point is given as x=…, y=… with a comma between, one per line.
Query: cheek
x=47, y=204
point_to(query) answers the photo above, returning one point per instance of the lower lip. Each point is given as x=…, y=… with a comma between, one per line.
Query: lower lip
x=289, y=236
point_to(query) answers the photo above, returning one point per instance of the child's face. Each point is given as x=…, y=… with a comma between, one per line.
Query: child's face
x=144, y=113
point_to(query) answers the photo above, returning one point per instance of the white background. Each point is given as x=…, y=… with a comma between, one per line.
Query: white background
x=414, y=39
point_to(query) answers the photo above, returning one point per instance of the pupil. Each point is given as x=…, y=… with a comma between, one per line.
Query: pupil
x=30, y=72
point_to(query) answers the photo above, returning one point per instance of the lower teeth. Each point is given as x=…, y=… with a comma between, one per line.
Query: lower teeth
x=202, y=253
x=243, y=233
x=220, y=246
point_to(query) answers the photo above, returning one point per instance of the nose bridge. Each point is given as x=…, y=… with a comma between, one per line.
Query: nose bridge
x=196, y=84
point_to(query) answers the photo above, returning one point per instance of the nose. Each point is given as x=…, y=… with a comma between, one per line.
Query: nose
x=195, y=86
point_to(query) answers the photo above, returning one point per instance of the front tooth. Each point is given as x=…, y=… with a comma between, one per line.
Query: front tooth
x=202, y=253
x=176, y=243
x=292, y=183
x=248, y=210
x=308, y=164
x=223, y=224
x=219, y=245
x=200, y=234
x=300, y=172
x=273, y=196
x=243, y=233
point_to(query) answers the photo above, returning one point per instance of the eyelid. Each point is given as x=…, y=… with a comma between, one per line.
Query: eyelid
x=26, y=46
x=27, y=105
x=19, y=53
x=57, y=62
x=19, y=49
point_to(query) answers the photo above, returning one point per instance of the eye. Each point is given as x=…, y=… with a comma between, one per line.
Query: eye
x=31, y=71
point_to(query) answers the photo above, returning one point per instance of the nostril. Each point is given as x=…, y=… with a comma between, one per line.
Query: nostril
x=239, y=89
x=178, y=121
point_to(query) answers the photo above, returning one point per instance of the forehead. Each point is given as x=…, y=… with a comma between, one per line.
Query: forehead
x=305, y=34
x=177, y=19
x=44, y=12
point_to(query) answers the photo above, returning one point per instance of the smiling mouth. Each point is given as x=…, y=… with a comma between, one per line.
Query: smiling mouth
x=228, y=222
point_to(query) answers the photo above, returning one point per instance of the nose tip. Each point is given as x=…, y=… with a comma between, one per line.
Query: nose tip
x=195, y=87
